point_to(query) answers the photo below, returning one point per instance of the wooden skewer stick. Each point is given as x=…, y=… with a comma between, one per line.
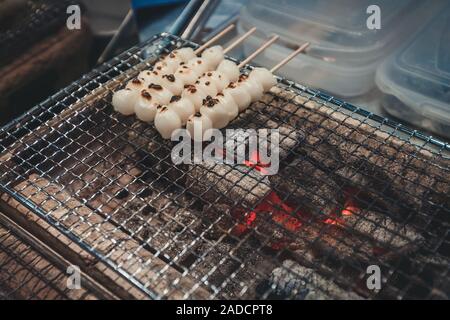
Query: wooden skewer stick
x=214, y=39
x=290, y=57
x=239, y=40
x=258, y=51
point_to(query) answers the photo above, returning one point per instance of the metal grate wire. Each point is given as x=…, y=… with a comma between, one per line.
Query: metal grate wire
x=108, y=183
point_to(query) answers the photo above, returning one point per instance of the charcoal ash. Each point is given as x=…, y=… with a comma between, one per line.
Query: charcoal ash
x=294, y=281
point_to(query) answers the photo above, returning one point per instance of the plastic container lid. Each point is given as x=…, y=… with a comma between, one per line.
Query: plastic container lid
x=345, y=52
x=336, y=29
x=419, y=75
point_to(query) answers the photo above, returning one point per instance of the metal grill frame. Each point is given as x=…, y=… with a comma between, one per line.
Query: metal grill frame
x=133, y=60
x=31, y=271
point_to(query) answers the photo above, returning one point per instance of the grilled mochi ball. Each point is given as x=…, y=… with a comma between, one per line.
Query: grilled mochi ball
x=183, y=107
x=185, y=54
x=219, y=79
x=172, y=83
x=230, y=69
x=195, y=95
x=163, y=68
x=166, y=121
x=216, y=112
x=240, y=95
x=135, y=84
x=144, y=107
x=213, y=56
x=198, y=125
x=186, y=75
x=160, y=95
x=198, y=65
x=148, y=77
x=123, y=101
x=264, y=77
x=228, y=103
x=207, y=86
x=253, y=87
x=172, y=61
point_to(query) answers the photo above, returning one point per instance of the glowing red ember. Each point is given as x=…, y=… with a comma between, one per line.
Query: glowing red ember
x=279, y=212
x=255, y=162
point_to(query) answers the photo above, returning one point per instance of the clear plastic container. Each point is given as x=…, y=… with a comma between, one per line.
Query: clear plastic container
x=344, y=52
x=416, y=78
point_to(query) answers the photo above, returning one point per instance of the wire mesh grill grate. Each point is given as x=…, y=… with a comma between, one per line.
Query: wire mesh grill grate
x=349, y=194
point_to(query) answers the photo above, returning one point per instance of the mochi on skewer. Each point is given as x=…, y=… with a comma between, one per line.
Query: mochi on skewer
x=144, y=107
x=215, y=111
x=198, y=125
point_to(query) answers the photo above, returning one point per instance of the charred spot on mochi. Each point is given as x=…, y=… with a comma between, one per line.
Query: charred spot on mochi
x=169, y=77
x=242, y=77
x=162, y=109
x=155, y=86
x=136, y=81
x=232, y=85
x=210, y=102
x=148, y=73
x=209, y=74
x=182, y=64
x=172, y=55
x=185, y=67
x=175, y=98
x=127, y=89
x=207, y=83
x=197, y=114
x=220, y=94
x=155, y=73
x=146, y=95
x=199, y=61
x=197, y=82
x=190, y=88
x=159, y=68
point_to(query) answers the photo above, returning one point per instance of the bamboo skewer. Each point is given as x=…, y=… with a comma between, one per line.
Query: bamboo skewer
x=214, y=39
x=290, y=57
x=239, y=40
x=258, y=51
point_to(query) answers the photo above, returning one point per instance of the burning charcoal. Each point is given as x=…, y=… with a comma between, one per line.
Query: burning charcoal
x=314, y=240
x=382, y=229
x=374, y=190
x=303, y=184
x=297, y=282
x=417, y=175
x=238, y=184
